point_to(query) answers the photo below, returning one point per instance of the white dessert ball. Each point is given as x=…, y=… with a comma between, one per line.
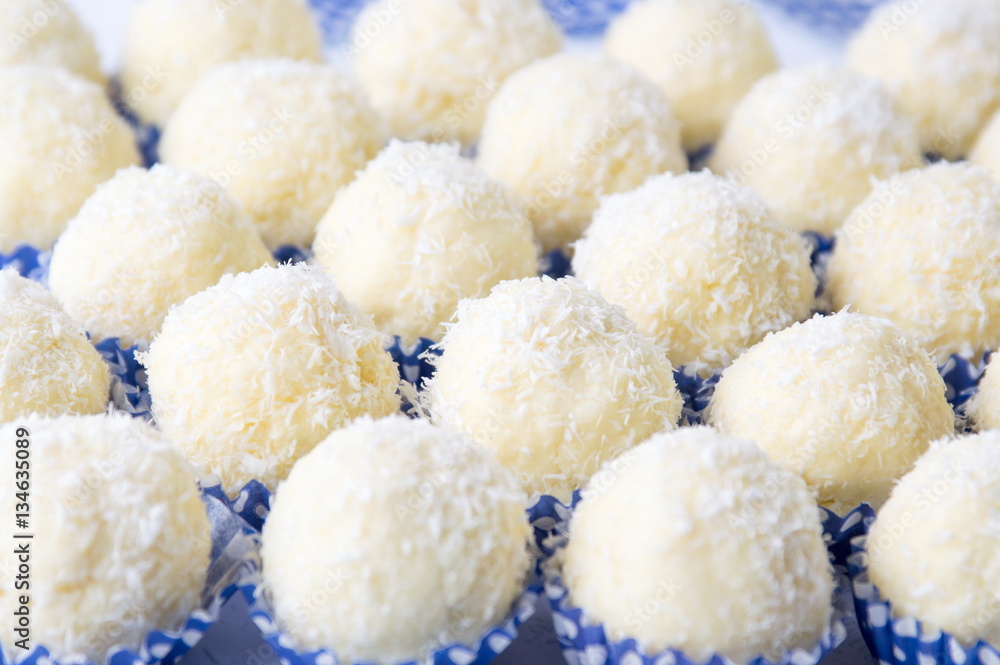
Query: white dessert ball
x=698, y=542
x=170, y=44
x=986, y=150
x=47, y=32
x=443, y=232
x=924, y=251
x=121, y=539
x=144, y=241
x=61, y=139
x=47, y=364
x=422, y=531
x=553, y=379
x=849, y=402
x=250, y=374
x=699, y=263
x=940, y=60
x=704, y=54
x=984, y=407
x=568, y=129
x=809, y=140
x=282, y=136
x=934, y=549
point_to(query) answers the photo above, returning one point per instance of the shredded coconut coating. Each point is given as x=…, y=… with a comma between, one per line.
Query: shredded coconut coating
x=47, y=32
x=984, y=407
x=61, y=138
x=698, y=542
x=281, y=136
x=249, y=375
x=443, y=230
x=704, y=54
x=847, y=401
x=568, y=129
x=809, y=140
x=934, y=550
x=419, y=536
x=940, y=59
x=553, y=379
x=924, y=251
x=47, y=365
x=430, y=67
x=144, y=241
x=170, y=44
x=121, y=539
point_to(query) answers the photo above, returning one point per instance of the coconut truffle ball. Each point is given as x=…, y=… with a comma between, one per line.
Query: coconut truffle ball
x=444, y=231
x=704, y=54
x=733, y=563
x=169, y=44
x=281, y=136
x=934, y=549
x=47, y=365
x=847, y=401
x=436, y=555
x=698, y=263
x=571, y=128
x=940, y=60
x=809, y=141
x=47, y=32
x=121, y=539
x=430, y=67
x=173, y=233
x=924, y=251
x=60, y=139
x=553, y=379
x=984, y=407
x=250, y=374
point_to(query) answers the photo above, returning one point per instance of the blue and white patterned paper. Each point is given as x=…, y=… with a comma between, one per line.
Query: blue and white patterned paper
x=841, y=15
x=147, y=137
x=129, y=389
x=28, y=262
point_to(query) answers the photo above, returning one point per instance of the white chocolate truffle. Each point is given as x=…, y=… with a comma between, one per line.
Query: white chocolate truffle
x=47, y=364
x=281, y=136
x=934, y=549
x=986, y=150
x=699, y=263
x=61, y=138
x=940, y=60
x=144, y=241
x=849, y=402
x=170, y=44
x=47, y=32
x=810, y=140
x=571, y=128
x=430, y=67
x=553, y=379
x=443, y=230
x=422, y=531
x=250, y=374
x=717, y=547
x=924, y=251
x=984, y=407
x=704, y=54
x=121, y=538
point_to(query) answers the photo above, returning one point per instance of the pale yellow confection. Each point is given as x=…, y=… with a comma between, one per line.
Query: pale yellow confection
x=986, y=150
x=443, y=231
x=568, y=129
x=704, y=54
x=924, y=251
x=47, y=32
x=418, y=537
x=61, y=138
x=47, y=364
x=170, y=44
x=144, y=241
x=698, y=542
x=934, y=549
x=121, y=540
x=984, y=407
x=699, y=263
x=250, y=374
x=282, y=136
x=431, y=67
x=553, y=379
x=847, y=401
x=940, y=59
x=809, y=140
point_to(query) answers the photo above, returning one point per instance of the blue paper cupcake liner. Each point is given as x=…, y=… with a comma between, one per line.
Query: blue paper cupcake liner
x=28, y=262
x=842, y=15
x=147, y=137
